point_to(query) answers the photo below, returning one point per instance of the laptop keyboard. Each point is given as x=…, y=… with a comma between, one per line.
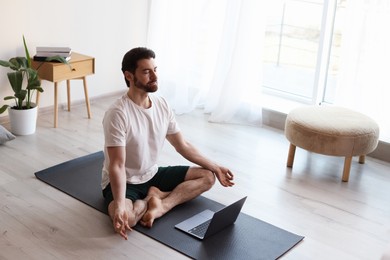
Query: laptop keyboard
x=201, y=229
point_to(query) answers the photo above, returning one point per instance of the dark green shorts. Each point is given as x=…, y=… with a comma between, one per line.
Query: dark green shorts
x=166, y=179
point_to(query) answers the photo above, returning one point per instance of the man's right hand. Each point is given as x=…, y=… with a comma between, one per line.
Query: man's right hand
x=121, y=221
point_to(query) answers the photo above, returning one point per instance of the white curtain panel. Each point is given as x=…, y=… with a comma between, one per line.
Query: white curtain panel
x=209, y=55
x=364, y=77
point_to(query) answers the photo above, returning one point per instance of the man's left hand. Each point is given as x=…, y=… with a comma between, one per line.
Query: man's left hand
x=224, y=176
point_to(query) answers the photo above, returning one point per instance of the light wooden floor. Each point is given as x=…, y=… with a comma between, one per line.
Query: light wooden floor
x=339, y=220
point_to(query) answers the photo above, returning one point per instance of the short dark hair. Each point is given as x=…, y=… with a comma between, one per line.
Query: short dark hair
x=131, y=58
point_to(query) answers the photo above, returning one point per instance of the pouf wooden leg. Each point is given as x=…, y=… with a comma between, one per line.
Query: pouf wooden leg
x=362, y=159
x=291, y=155
x=347, y=168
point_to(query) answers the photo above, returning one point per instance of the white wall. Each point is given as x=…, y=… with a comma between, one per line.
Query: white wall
x=102, y=29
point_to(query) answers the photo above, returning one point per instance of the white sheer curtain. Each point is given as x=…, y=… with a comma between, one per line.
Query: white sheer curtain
x=209, y=55
x=364, y=77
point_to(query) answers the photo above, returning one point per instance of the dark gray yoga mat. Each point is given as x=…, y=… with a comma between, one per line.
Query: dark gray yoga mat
x=248, y=238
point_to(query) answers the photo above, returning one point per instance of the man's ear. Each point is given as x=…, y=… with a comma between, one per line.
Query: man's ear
x=129, y=76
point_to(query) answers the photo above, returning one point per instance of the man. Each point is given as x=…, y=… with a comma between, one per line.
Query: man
x=135, y=128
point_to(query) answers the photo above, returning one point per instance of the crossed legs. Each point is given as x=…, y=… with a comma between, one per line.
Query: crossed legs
x=133, y=213
x=157, y=203
x=195, y=183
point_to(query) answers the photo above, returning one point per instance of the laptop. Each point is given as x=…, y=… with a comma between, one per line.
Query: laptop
x=207, y=222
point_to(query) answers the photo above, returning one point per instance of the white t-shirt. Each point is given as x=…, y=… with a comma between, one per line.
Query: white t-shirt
x=141, y=131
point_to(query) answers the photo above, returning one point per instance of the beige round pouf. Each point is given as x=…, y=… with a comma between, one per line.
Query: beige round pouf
x=333, y=131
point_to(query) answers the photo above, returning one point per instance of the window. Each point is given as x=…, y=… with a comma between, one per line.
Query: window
x=334, y=61
x=301, y=52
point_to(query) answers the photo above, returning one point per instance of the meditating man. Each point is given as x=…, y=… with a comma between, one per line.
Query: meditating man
x=135, y=128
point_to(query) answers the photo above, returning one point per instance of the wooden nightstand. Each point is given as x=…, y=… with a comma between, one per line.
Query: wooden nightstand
x=80, y=67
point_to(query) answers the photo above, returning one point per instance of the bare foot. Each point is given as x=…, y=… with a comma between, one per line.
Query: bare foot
x=139, y=209
x=155, y=210
x=156, y=192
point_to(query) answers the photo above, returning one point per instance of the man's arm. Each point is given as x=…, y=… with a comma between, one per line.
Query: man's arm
x=117, y=176
x=188, y=151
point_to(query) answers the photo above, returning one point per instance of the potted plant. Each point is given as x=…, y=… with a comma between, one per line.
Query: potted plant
x=23, y=114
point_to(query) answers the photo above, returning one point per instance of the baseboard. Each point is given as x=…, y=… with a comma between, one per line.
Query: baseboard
x=382, y=152
x=274, y=118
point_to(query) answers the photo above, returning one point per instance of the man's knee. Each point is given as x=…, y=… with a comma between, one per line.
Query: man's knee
x=209, y=178
x=205, y=175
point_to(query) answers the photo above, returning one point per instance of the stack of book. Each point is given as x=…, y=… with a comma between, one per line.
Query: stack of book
x=45, y=52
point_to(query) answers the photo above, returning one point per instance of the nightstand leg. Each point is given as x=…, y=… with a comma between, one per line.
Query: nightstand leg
x=37, y=98
x=86, y=97
x=55, y=105
x=68, y=92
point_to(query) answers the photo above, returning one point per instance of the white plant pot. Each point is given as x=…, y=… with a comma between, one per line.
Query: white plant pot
x=23, y=122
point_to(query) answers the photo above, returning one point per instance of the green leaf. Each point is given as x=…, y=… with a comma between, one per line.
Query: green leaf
x=3, y=108
x=33, y=84
x=33, y=81
x=21, y=96
x=57, y=58
x=27, y=53
x=16, y=80
x=32, y=73
x=22, y=61
x=60, y=59
x=14, y=64
x=40, y=89
x=5, y=63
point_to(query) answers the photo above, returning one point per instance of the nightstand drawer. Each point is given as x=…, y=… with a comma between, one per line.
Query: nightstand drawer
x=74, y=70
x=79, y=66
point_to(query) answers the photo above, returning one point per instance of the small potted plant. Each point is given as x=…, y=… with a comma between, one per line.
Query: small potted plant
x=23, y=114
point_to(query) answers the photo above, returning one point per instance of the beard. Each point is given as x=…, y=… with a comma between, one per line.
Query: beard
x=149, y=87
